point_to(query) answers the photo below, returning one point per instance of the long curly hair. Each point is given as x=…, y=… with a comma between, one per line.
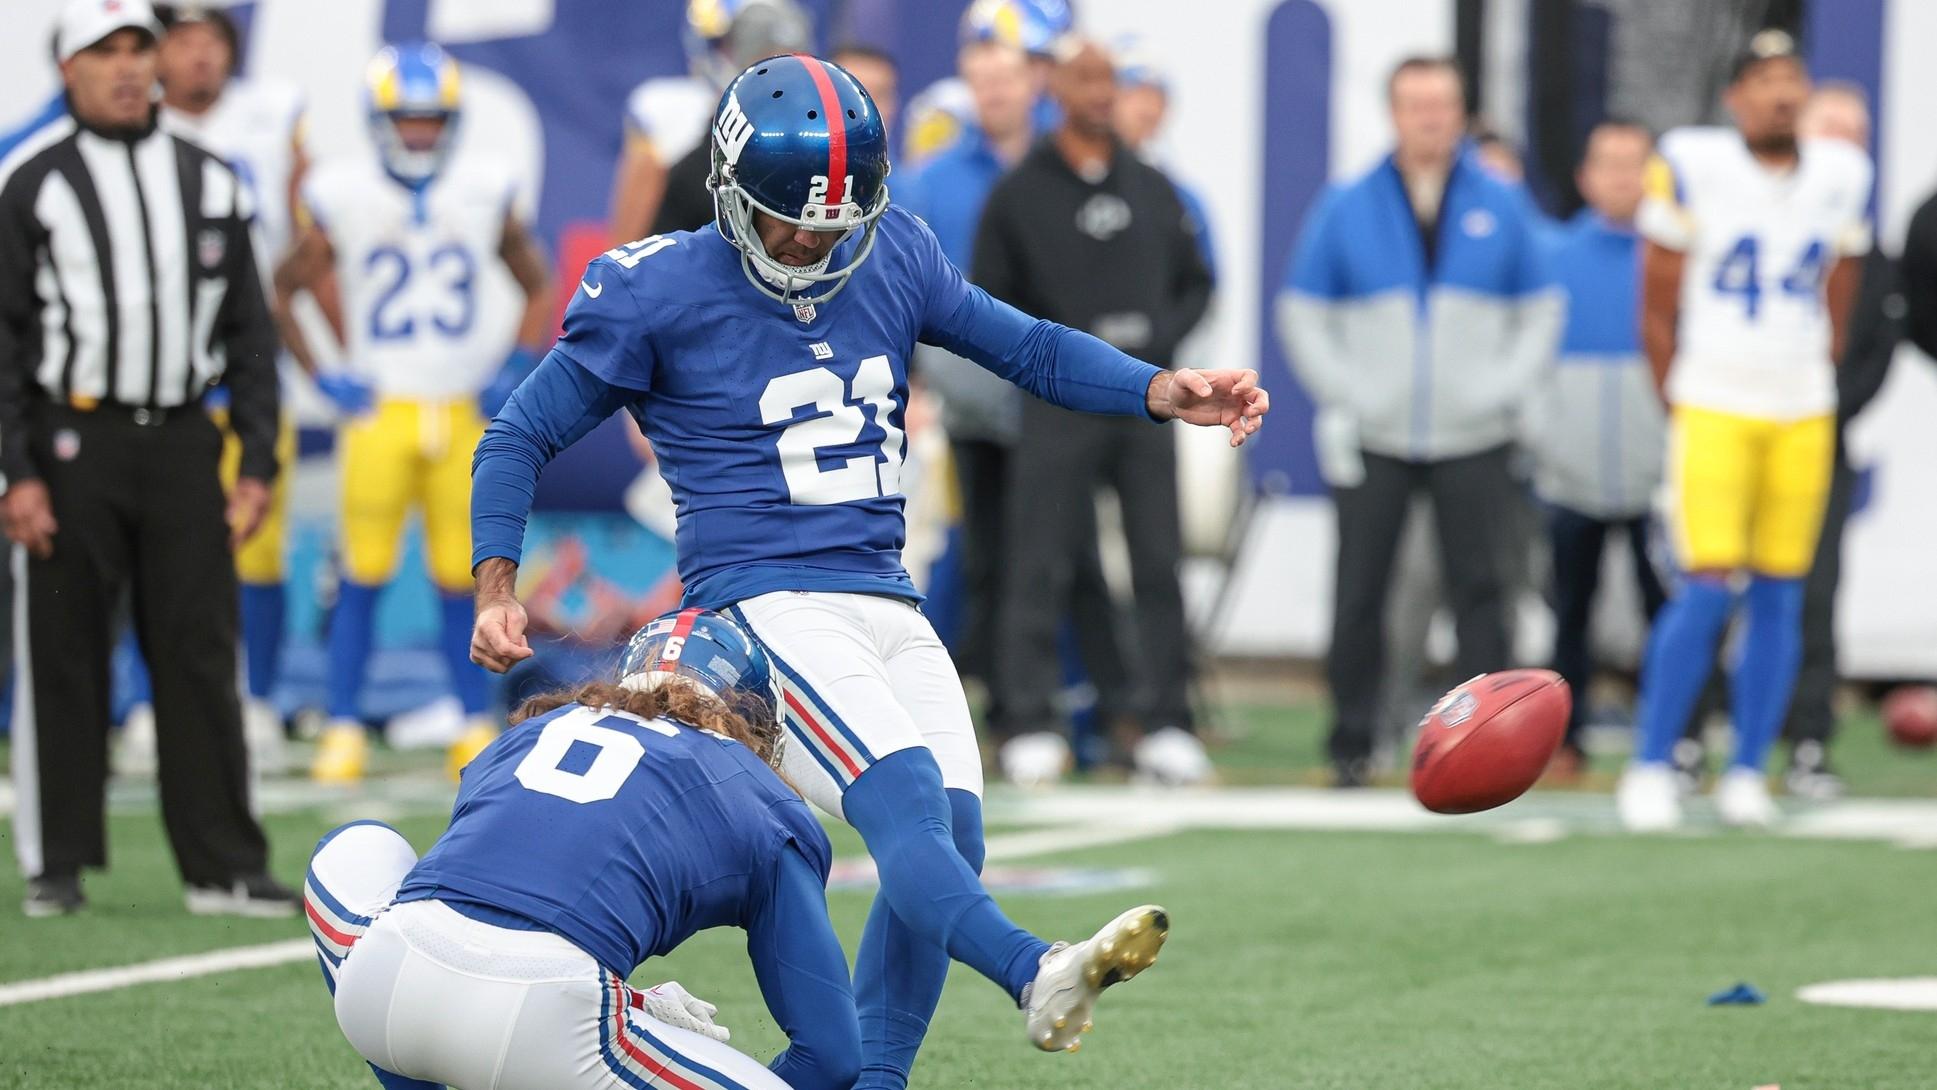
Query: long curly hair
x=739, y=716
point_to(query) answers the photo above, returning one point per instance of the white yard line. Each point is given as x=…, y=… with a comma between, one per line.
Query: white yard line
x=164, y=970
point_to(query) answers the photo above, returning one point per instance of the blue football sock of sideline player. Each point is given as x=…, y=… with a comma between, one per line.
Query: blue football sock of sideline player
x=467, y=678
x=901, y=811
x=1680, y=653
x=352, y=631
x=898, y=984
x=263, y=608
x=1765, y=672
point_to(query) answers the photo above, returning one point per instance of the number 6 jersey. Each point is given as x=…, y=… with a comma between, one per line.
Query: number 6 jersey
x=1754, y=337
x=413, y=266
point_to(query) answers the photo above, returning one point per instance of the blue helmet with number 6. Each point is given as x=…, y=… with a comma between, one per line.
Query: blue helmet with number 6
x=709, y=650
x=799, y=139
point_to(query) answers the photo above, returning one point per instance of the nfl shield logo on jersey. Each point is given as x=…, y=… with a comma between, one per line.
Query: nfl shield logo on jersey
x=210, y=246
x=803, y=312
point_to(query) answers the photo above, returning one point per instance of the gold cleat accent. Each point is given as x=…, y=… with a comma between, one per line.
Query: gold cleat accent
x=1071, y=978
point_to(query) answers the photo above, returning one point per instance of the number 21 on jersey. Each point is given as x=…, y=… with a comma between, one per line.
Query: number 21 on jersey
x=838, y=422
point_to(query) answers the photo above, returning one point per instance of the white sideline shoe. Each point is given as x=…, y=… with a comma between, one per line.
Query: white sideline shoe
x=1038, y=759
x=1648, y=798
x=1742, y=798
x=1172, y=757
x=1056, y=1005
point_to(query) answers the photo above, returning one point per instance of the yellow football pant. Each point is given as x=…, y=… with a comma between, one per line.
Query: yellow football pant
x=404, y=454
x=260, y=559
x=1748, y=493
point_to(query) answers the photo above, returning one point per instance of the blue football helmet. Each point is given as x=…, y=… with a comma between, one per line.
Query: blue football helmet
x=416, y=79
x=799, y=139
x=706, y=648
x=722, y=37
x=1032, y=26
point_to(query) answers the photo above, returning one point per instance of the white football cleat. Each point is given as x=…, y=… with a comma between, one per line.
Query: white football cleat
x=134, y=751
x=1742, y=799
x=1648, y=798
x=1172, y=757
x=1038, y=759
x=1056, y=1005
x=262, y=731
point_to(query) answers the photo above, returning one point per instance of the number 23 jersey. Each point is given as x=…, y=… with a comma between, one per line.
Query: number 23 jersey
x=414, y=266
x=1754, y=336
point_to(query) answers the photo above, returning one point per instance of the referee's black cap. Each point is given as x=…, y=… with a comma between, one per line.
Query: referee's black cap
x=1767, y=45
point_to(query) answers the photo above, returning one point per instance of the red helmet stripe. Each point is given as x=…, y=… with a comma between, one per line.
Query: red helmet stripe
x=682, y=628
x=836, y=134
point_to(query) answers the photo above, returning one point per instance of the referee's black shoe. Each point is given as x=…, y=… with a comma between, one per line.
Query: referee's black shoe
x=53, y=895
x=255, y=895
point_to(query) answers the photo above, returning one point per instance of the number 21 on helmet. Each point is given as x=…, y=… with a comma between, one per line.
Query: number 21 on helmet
x=799, y=139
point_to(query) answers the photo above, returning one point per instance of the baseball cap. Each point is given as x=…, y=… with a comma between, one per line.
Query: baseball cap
x=1767, y=45
x=84, y=22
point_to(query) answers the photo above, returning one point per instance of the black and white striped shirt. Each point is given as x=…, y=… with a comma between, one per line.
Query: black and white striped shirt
x=127, y=281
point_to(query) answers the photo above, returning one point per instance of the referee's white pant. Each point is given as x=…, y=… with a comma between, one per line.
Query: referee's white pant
x=427, y=993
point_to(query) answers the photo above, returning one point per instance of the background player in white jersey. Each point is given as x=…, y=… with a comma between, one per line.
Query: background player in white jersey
x=410, y=237
x=666, y=117
x=610, y=823
x=1754, y=241
x=256, y=126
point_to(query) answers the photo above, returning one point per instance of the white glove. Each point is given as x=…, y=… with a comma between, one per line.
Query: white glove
x=675, y=1006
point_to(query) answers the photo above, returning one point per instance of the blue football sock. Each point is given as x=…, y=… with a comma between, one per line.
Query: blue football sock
x=467, y=677
x=901, y=811
x=1681, y=650
x=398, y=1082
x=263, y=606
x=899, y=976
x=353, y=629
x=1765, y=671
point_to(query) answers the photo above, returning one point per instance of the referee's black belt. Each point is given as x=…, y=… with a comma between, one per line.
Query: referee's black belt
x=147, y=416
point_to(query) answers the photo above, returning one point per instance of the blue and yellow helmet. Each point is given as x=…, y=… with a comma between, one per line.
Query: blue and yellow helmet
x=722, y=37
x=415, y=79
x=1032, y=26
x=798, y=138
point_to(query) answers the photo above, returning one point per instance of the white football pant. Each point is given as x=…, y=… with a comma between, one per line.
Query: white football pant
x=427, y=993
x=861, y=676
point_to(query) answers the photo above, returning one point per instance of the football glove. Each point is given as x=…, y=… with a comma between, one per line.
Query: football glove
x=675, y=1006
x=352, y=396
x=521, y=362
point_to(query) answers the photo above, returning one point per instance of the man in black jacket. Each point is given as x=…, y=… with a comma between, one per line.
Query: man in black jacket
x=1084, y=233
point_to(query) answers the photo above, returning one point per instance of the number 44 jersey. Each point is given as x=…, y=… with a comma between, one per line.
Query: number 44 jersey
x=1754, y=336
x=625, y=835
x=413, y=264
x=779, y=428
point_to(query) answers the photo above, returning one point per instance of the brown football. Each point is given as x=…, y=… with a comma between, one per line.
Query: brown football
x=1488, y=740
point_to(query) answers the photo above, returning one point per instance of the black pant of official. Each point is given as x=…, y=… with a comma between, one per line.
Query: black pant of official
x=139, y=506
x=1061, y=460
x=1578, y=541
x=982, y=470
x=1811, y=717
x=1470, y=497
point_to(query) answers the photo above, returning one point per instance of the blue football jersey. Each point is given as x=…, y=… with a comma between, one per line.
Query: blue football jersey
x=624, y=835
x=779, y=429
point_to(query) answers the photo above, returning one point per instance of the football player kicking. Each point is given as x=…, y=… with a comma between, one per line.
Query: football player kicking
x=409, y=238
x=766, y=358
x=604, y=828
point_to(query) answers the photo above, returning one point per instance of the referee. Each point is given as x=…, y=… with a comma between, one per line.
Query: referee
x=127, y=289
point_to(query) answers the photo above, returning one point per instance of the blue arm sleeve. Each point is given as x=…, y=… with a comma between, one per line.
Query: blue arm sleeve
x=550, y=411
x=803, y=975
x=1063, y=366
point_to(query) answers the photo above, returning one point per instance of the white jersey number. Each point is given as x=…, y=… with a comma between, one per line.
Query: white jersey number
x=839, y=424
x=615, y=754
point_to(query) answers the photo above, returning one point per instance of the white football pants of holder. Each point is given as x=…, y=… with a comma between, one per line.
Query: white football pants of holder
x=427, y=993
x=861, y=676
